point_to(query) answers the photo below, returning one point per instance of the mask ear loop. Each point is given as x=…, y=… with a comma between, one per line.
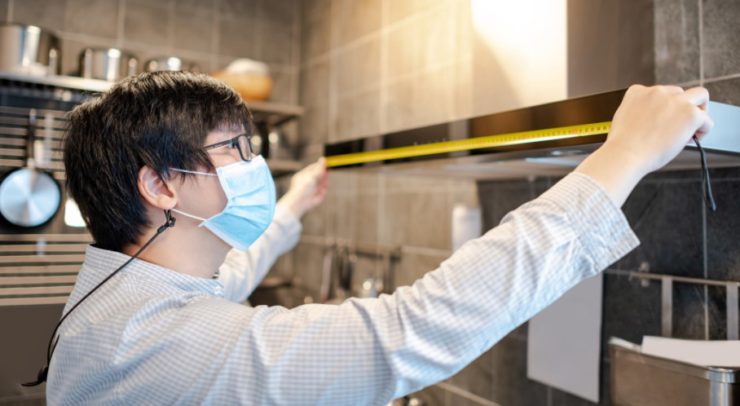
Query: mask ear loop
x=41, y=377
x=708, y=195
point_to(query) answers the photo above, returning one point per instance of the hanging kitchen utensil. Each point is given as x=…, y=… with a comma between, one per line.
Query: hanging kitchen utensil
x=29, y=197
x=325, y=290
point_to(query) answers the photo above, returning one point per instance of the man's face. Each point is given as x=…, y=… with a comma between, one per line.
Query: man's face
x=203, y=195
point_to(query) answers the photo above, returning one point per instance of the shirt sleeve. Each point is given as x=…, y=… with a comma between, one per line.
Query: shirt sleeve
x=242, y=271
x=369, y=351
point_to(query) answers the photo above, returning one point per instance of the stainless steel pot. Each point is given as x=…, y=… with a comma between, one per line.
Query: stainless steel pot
x=28, y=49
x=172, y=63
x=107, y=64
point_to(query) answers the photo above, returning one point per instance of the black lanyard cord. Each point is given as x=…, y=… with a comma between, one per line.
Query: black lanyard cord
x=41, y=377
x=707, y=182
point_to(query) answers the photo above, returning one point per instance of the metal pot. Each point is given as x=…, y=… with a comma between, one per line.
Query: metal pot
x=171, y=63
x=109, y=64
x=28, y=49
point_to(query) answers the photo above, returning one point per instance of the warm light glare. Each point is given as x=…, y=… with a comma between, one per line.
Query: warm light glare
x=528, y=38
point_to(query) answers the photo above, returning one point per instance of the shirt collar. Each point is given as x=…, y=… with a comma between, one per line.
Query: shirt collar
x=100, y=263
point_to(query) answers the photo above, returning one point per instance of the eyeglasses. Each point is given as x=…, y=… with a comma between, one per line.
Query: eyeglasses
x=242, y=142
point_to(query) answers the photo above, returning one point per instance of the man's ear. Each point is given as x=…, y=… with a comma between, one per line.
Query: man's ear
x=154, y=190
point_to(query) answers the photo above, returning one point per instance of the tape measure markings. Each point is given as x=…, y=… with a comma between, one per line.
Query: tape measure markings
x=470, y=144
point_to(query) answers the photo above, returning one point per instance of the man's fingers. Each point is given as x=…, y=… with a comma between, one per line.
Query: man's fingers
x=705, y=127
x=698, y=96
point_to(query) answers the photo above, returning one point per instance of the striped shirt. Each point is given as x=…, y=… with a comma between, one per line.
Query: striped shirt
x=155, y=336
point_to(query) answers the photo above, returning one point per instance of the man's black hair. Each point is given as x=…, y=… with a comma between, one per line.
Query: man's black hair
x=159, y=120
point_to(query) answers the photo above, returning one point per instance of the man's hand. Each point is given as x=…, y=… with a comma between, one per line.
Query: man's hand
x=307, y=188
x=651, y=126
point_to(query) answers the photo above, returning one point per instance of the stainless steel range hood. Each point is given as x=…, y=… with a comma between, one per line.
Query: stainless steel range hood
x=536, y=158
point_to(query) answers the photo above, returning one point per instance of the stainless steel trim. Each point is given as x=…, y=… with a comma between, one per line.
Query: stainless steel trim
x=666, y=300
x=733, y=318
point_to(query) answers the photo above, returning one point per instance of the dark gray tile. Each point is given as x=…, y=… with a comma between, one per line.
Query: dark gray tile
x=416, y=212
x=283, y=12
x=23, y=343
x=560, y=398
x=276, y=42
x=503, y=369
x=315, y=123
x=499, y=198
x=358, y=68
x=146, y=24
x=316, y=28
x=44, y=13
x=357, y=115
x=717, y=312
x=413, y=267
x=236, y=37
x=720, y=53
x=4, y=10
x=667, y=218
x=93, y=17
x=676, y=41
x=725, y=91
x=431, y=396
x=238, y=8
x=689, y=321
x=355, y=19
x=314, y=83
x=631, y=309
x=284, y=83
x=723, y=250
x=196, y=4
x=193, y=29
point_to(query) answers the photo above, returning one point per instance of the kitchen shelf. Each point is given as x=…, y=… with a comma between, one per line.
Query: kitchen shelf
x=280, y=167
x=65, y=82
x=272, y=113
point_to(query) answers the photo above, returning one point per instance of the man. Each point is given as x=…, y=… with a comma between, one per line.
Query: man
x=161, y=328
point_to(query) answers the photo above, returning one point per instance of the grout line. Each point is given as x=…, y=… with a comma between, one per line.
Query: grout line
x=170, y=27
x=332, y=54
x=384, y=40
x=720, y=78
x=296, y=56
x=463, y=393
x=120, y=21
x=215, y=37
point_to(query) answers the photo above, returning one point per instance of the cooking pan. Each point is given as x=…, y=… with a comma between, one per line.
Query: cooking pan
x=29, y=197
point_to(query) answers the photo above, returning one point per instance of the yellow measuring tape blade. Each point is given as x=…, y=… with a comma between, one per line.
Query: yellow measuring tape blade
x=470, y=144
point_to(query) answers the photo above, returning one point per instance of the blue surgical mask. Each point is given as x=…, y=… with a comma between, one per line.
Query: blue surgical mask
x=250, y=191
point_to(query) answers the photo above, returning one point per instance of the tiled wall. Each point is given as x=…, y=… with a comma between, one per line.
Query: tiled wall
x=209, y=33
x=372, y=66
